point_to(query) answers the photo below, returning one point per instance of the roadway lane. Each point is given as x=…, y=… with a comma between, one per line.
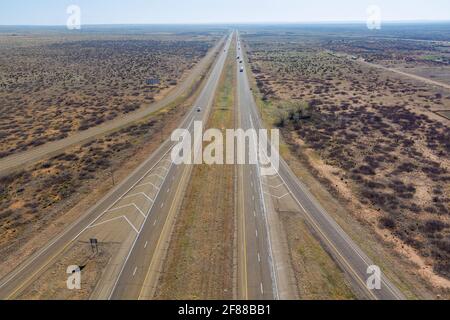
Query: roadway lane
x=138, y=277
x=257, y=279
x=21, y=277
x=345, y=251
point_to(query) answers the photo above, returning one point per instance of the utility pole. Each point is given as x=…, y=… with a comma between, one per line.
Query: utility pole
x=94, y=245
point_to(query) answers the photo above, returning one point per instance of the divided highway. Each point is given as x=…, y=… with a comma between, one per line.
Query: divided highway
x=139, y=215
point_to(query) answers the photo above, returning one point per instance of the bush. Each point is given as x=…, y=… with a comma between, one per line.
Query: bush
x=281, y=120
x=366, y=170
x=387, y=223
x=432, y=226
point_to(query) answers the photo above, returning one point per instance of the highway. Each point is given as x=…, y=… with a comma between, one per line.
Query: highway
x=139, y=275
x=137, y=214
x=346, y=252
x=257, y=280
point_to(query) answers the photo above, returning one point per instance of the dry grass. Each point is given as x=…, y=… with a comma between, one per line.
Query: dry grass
x=51, y=284
x=317, y=275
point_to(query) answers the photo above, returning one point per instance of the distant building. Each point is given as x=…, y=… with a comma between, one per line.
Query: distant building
x=152, y=82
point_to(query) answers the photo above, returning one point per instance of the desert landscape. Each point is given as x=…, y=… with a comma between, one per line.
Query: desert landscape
x=58, y=84
x=377, y=139
x=225, y=155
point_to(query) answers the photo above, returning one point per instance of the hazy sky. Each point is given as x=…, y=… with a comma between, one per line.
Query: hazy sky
x=53, y=12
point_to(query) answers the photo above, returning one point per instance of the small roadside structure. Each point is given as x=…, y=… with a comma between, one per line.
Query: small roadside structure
x=152, y=81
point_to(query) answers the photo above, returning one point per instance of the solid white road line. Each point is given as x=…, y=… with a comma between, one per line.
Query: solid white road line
x=132, y=225
x=106, y=221
x=156, y=175
x=148, y=184
x=129, y=205
x=139, y=194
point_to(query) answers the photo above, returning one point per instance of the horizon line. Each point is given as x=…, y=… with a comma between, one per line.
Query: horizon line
x=324, y=22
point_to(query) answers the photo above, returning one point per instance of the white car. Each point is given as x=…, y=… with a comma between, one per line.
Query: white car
x=199, y=109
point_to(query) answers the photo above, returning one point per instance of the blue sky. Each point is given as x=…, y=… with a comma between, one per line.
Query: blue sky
x=53, y=12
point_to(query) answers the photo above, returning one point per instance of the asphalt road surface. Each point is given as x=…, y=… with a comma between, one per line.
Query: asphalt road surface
x=257, y=280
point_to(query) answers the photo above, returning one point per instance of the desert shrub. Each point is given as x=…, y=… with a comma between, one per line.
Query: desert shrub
x=21, y=176
x=373, y=185
x=415, y=208
x=444, y=245
x=387, y=223
x=85, y=175
x=83, y=126
x=366, y=170
x=442, y=267
x=415, y=243
x=406, y=167
x=69, y=157
x=103, y=163
x=5, y=213
x=432, y=226
x=281, y=120
x=5, y=153
x=37, y=142
x=441, y=209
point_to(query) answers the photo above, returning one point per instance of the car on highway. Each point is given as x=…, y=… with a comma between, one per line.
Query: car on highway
x=242, y=69
x=199, y=109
